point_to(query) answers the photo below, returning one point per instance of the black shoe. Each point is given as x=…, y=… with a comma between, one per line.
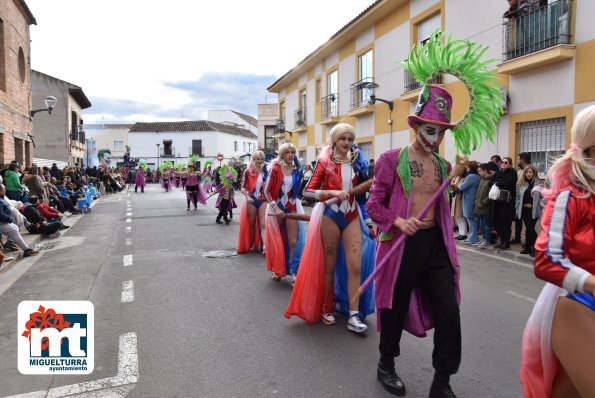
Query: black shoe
x=515, y=241
x=390, y=380
x=526, y=251
x=461, y=237
x=218, y=221
x=227, y=221
x=441, y=391
x=65, y=226
x=505, y=247
x=188, y=209
x=30, y=253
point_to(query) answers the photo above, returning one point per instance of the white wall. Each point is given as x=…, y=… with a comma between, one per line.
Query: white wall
x=585, y=28
x=226, y=115
x=347, y=77
x=364, y=38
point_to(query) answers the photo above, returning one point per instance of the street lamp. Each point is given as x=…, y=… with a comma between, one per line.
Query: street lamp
x=372, y=87
x=158, y=145
x=50, y=102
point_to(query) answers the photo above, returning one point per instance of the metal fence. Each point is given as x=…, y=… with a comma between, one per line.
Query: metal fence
x=544, y=140
x=360, y=93
x=329, y=105
x=300, y=118
x=532, y=28
x=412, y=84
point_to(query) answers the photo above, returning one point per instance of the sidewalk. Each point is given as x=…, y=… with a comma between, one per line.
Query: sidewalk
x=513, y=253
x=11, y=258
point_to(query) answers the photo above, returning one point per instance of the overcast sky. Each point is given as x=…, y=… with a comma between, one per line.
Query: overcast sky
x=148, y=60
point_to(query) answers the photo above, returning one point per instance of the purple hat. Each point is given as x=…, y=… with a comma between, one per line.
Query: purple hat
x=433, y=106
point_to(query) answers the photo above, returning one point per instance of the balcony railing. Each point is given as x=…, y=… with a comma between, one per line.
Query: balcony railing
x=412, y=84
x=329, y=106
x=535, y=28
x=360, y=94
x=168, y=152
x=191, y=152
x=280, y=125
x=299, y=118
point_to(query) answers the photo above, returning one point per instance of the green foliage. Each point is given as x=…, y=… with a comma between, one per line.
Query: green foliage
x=224, y=170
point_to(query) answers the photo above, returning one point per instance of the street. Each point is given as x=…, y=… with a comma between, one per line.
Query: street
x=172, y=323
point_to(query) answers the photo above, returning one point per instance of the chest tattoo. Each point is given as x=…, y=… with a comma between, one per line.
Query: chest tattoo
x=429, y=174
x=417, y=169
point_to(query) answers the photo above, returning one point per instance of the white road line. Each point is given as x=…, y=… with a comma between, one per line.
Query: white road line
x=117, y=386
x=128, y=241
x=129, y=228
x=127, y=260
x=129, y=220
x=128, y=214
x=127, y=292
x=499, y=258
x=521, y=296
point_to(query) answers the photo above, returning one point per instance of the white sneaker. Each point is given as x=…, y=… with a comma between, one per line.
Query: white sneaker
x=275, y=277
x=327, y=318
x=292, y=280
x=356, y=325
x=482, y=244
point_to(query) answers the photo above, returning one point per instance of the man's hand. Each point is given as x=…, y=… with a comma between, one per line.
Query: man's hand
x=409, y=226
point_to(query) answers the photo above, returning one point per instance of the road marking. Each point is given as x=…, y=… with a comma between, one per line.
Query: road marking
x=127, y=260
x=128, y=214
x=129, y=220
x=127, y=292
x=117, y=386
x=129, y=228
x=128, y=241
x=499, y=258
x=521, y=296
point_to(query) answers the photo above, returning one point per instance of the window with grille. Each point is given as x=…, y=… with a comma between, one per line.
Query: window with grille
x=544, y=140
x=269, y=139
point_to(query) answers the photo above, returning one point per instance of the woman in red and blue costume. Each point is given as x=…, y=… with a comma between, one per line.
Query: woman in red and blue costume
x=340, y=249
x=284, y=240
x=559, y=340
x=252, y=211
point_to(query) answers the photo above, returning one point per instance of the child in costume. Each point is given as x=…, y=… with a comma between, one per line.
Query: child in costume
x=194, y=191
x=285, y=237
x=559, y=339
x=252, y=211
x=225, y=202
x=139, y=179
x=207, y=177
x=339, y=246
x=166, y=175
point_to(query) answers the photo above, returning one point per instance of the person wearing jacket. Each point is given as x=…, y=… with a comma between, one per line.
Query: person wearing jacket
x=50, y=213
x=469, y=190
x=483, y=204
x=527, y=206
x=34, y=182
x=39, y=224
x=10, y=229
x=12, y=182
x=504, y=209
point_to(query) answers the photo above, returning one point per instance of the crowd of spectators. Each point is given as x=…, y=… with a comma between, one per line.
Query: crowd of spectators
x=36, y=199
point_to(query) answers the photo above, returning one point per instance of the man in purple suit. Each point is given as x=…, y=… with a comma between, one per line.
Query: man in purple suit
x=418, y=288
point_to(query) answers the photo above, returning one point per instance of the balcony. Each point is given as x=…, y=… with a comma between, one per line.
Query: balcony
x=329, y=109
x=360, y=98
x=198, y=152
x=167, y=152
x=300, y=121
x=537, y=36
x=410, y=91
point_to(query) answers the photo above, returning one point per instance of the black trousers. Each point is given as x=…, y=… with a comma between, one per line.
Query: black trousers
x=192, y=194
x=223, y=210
x=426, y=264
x=518, y=227
x=503, y=216
x=529, y=221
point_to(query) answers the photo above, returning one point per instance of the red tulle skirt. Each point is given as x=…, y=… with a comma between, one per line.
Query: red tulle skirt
x=245, y=244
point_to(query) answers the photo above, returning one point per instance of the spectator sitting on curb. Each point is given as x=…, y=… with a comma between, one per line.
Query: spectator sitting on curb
x=50, y=213
x=63, y=203
x=39, y=224
x=18, y=218
x=8, y=228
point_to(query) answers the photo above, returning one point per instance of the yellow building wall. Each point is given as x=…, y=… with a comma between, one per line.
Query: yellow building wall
x=584, y=90
x=391, y=21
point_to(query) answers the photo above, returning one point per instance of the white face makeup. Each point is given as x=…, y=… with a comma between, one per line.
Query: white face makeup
x=429, y=136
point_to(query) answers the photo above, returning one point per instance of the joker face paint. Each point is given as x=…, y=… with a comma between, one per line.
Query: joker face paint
x=429, y=136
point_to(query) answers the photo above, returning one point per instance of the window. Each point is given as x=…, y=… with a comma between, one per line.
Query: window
x=196, y=148
x=318, y=90
x=22, y=65
x=427, y=27
x=302, y=157
x=544, y=140
x=333, y=88
x=269, y=139
x=360, y=93
x=245, y=146
x=366, y=65
x=118, y=145
x=235, y=146
x=168, y=150
x=367, y=150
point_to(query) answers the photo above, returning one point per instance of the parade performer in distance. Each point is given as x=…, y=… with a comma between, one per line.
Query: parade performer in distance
x=284, y=240
x=417, y=270
x=225, y=202
x=177, y=173
x=194, y=191
x=207, y=177
x=184, y=177
x=166, y=175
x=252, y=211
x=339, y=247
x=139, y=179
x=559, y=339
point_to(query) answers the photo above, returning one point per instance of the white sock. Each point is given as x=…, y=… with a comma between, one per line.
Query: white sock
x=352, y=313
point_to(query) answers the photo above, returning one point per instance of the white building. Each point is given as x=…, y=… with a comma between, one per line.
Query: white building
x=176, y=141
x=233, y=118
x=113, y=137
x=267, y=117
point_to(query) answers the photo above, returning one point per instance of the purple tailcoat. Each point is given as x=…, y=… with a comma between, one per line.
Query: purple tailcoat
x=386, y=203
x=140, y=178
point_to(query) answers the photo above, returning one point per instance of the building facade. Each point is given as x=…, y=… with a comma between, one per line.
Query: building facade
x=100, y=138
x=176, y=141
x=59, y=136
x=543, y=62
x=267, y=117
x=233, y=118
x=15, y=82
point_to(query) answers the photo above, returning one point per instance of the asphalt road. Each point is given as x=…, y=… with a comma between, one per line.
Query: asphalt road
x=214, y=327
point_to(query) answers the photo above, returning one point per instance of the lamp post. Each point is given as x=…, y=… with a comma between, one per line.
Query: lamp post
x=372, y=87
x=158, y=145
x=50, y=103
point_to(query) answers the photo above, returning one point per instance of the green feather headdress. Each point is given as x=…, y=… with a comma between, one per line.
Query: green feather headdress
x=180, y=166
x=461, y=59
x=225, y=173
x=142, y=163
x=209, y=163
x=165, y=165
x=192, y=160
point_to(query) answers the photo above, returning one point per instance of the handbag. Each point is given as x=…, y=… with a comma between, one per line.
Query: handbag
x=494, y=192
x=503, y=196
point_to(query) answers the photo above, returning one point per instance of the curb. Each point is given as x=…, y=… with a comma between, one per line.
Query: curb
x=12, y=258
x=512, y=254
